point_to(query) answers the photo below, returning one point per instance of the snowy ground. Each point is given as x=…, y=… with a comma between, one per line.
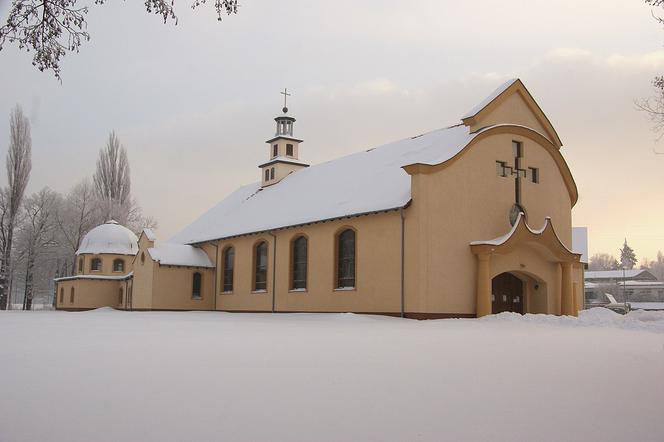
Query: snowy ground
x=123, y=376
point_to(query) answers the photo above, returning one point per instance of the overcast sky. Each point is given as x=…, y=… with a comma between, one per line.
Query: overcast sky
x=194, y=103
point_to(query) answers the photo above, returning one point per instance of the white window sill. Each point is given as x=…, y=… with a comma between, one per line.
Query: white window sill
x=226, y=293
x=345, y=289
x=259, y=292
x=196, y=298
x=297, y=291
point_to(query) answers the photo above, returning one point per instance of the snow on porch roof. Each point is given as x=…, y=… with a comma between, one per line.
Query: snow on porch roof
x=364, y=182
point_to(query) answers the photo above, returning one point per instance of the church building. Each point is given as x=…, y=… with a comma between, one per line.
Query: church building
x=463, y=221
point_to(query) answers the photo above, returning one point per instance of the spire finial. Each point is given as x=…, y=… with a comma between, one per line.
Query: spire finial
x=286, y=95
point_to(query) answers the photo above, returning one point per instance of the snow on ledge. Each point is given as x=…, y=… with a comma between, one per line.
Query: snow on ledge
x=181, y=255
x=96, y=277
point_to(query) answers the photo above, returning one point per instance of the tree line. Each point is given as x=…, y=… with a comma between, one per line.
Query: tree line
x=628, y=260
x=40, y=232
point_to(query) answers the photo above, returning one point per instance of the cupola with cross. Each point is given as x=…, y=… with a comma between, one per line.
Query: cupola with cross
x=284, y=149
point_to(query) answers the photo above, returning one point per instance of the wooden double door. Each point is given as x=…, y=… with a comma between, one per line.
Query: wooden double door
x=507, y=294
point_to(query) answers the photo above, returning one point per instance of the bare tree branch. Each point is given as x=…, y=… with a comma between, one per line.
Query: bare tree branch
x=52, y=28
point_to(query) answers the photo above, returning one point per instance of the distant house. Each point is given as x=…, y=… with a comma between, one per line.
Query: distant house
x=636, y=285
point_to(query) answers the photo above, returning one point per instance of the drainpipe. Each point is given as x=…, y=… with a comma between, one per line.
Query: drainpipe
x=403, y=240
x=274, y=269
x=216, y=273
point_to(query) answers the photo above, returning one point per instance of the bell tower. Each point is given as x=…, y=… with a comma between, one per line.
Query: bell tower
x=283, y=150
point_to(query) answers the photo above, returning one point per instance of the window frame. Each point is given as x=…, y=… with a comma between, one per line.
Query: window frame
x=275, y=150
x=337, y=259
x=289, y=150
x=93, y=261
x=122, y=267
x=72, y=294
x=224, y=269
x=194, y=277
x=81, y=264
x=62, y=295
x=292, y=266
x=255, y=264
x=271, y=173
x=120, y=296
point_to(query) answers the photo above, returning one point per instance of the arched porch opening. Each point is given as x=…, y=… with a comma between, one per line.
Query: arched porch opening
x=518, y=292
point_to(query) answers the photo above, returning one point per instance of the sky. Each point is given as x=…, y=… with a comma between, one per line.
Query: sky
x=193, y=103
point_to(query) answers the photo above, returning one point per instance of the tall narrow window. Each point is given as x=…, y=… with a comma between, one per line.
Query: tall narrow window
x=62, y=295
x=228, y=260
x=118, y=265
x=120, y=296
x=272, y=173
x=267, y=174
x=346, y=259
x=275, y=150
x=71, y=295
x=260, y=267
x=534, y=174
x=289, y=150
x=196, y=286
x=80, y=265
x=299, y=265
x=95, y=264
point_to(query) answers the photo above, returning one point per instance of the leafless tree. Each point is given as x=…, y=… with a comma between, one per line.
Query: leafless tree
x=79, y=212
x=603, y=261
x=654, y=106
x=19, y=165
x=112, y=178
x=38, y=232
x=51, y=28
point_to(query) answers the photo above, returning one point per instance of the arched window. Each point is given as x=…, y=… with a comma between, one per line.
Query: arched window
x=196, y=286
x=120, y=297
x=80, y=265
x=271, y=173
x=95, y=264
x=260, y=267
x=62, y=295
x=118, y=265
x=267, y=174
x=299, y=263
x=71, y=295
x=229, y=262
x=346, y=259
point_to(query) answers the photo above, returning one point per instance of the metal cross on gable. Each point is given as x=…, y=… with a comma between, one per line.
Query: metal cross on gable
x=517, y=171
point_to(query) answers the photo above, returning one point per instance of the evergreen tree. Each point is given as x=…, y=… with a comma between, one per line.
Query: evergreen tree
x=627, y=256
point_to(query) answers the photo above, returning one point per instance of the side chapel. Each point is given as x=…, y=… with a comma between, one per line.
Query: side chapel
x=463, y=221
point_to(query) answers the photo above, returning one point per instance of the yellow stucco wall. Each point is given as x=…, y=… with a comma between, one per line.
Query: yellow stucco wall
x=106, y=264
x=89, y=293
x=378, y=239
x=468, y=201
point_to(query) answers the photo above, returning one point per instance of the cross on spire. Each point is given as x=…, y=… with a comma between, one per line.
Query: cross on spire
x=286, y=95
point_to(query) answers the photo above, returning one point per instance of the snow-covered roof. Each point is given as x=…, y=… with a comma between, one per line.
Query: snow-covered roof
x=110, y=237
x=616, y=274
x=284, y=159
x=149, y=234
x=484, y=103
x=364, y=182
x=96, y=277
x=172, y=254
x=580, y=242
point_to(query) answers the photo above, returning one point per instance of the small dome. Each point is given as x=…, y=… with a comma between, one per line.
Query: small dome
x=110, y=237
